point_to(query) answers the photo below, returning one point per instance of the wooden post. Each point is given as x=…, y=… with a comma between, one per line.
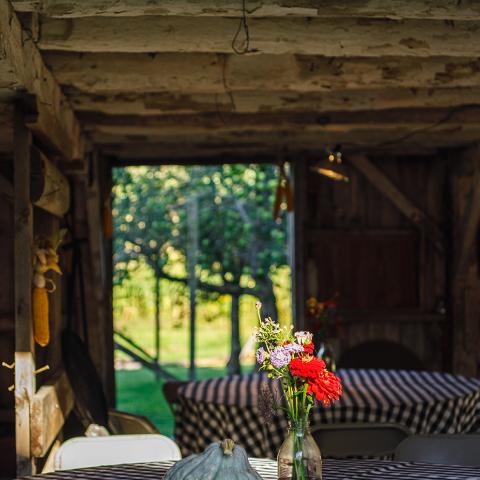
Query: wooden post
x=465, y=288
x=297, y=244
x=24, y=344
x=192, y=249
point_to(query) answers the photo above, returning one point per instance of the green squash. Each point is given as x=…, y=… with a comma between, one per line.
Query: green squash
x=220, y=461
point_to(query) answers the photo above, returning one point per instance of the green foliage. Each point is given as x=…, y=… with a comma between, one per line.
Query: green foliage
x=240, y=247
x=237, y=233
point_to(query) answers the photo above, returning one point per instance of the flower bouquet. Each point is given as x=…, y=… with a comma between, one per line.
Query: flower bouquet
x=288, y=357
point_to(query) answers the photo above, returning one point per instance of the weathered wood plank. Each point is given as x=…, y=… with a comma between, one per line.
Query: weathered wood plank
x=428, y=9
x=211, y=73
x=310, y=36
x=50, y=408
x=55, y=121
x=272, y=101
x=383, y=184
x=24, y=348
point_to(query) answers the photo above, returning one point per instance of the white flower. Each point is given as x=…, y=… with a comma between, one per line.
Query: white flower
x=303, y=338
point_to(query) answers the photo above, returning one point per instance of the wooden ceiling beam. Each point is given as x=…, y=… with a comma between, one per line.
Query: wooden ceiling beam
x=55, y=122
x=211, y=73
x=394, y=141
x=428, y=9
x=309, y=36
x=156, y=150
x=466, y=117
x=151, y=104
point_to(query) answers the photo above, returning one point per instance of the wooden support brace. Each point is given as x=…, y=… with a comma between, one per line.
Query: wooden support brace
x=384, y=185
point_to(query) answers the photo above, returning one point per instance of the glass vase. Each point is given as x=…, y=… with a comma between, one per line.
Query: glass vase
x=328, y=351
x=299, y=457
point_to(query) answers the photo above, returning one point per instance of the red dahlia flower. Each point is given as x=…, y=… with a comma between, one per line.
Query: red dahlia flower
x=326, y=387
x=307, y=366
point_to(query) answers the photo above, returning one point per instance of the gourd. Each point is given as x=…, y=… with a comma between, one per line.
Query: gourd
x=220, y=461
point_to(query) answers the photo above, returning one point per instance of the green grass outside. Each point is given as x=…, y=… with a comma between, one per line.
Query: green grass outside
x=139, y=392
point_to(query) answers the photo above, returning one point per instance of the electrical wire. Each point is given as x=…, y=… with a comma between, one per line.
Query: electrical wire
x=245, y=48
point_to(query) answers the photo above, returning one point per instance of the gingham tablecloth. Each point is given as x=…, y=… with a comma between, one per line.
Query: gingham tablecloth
x=424, y=402
x=332, y=470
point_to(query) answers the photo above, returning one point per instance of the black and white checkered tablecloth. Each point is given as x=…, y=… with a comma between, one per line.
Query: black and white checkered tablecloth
x=424, y=402
x=332, y=470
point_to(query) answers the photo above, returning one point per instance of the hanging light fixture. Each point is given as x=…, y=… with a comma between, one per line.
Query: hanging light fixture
x=332, y=167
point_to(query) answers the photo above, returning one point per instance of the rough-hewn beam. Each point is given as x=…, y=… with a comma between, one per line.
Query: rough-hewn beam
x=271, y=101
x=254, y=142
x=344, y=37
x=429, y=9
x=386, y=120
x=211, y=73
x=55, y=122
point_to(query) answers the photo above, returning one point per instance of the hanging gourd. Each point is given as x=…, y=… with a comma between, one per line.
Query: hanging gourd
x=220, y=461
x=45, y=258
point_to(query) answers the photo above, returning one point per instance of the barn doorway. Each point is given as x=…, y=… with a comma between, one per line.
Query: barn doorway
x=194, y=247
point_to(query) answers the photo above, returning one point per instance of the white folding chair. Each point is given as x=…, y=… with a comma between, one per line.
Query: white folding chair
x=447, y=449
x=83, y=452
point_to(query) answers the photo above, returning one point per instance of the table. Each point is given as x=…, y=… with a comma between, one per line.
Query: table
x=424, y=402
x=332, y=470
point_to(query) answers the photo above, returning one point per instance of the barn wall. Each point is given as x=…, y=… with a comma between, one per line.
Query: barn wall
x=85, y=225
x=390, y=278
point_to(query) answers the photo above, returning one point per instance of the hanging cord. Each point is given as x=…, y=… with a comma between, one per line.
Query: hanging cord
x=245, y=47
x=283, y=193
